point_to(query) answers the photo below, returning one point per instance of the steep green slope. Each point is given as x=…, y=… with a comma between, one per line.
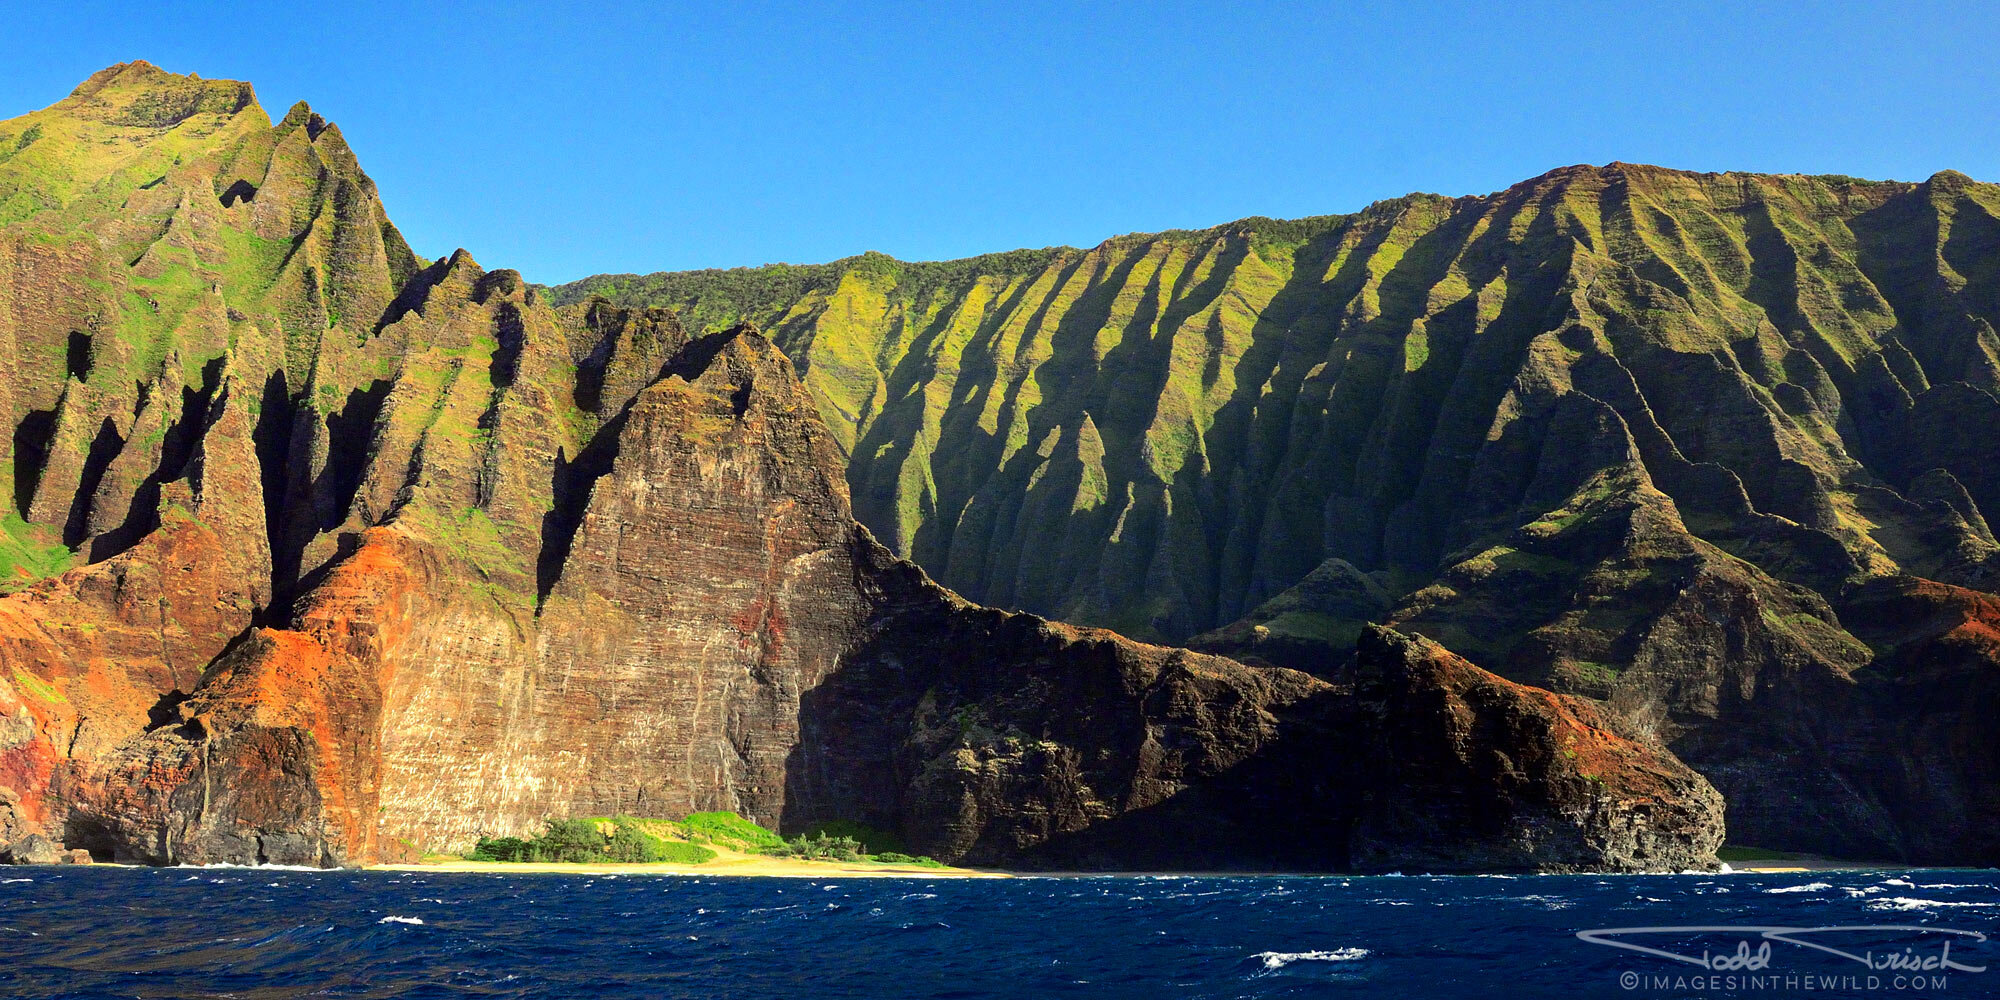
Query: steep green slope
x=1162, y=432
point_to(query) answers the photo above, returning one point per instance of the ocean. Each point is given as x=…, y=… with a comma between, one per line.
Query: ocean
x=260, y=933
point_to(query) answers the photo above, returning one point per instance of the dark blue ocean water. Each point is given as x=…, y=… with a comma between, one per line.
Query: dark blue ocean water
x=267, y=933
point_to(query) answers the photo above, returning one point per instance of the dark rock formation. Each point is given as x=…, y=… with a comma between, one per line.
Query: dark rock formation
x=1472, y=772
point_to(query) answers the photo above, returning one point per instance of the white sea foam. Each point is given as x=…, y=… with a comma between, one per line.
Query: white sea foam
x=400, y=920
x=1280, y=959
x=1905, y=903
x=1808, y=887
x=10, y=881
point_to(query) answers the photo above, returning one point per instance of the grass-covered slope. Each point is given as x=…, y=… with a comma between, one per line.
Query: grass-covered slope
x=1162, y=432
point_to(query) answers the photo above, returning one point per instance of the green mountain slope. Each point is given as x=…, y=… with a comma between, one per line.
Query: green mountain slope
x=1162, y=432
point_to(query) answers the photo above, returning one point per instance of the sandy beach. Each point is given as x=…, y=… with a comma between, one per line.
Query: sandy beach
x=725, y=862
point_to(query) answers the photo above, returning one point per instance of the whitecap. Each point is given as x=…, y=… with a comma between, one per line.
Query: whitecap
x=1280, y=959
x=1906, y=903
x=400, y=920
x=11, y=881
x=1808, y=887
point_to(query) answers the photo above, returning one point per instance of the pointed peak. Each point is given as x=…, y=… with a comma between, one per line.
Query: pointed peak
x=303, y=116
x=502, y=283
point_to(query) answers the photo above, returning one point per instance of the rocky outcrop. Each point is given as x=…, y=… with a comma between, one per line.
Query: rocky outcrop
x=1469, y=771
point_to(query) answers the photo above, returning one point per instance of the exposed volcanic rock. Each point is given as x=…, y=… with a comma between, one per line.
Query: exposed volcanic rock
x=1472, y=771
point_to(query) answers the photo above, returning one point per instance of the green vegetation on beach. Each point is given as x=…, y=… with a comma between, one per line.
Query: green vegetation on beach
x=620, y=839
x=691, y=841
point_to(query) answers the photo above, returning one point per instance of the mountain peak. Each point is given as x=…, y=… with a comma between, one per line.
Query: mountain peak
x=142, y=94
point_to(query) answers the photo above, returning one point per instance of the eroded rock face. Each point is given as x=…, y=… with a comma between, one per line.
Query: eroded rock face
x=1470, y=771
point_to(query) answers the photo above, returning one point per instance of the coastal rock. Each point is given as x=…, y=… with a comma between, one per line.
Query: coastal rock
x=34, y=849
x=1471, y=772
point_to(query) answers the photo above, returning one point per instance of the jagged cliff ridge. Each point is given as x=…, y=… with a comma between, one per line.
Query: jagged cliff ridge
x=323, y=553
x=1657, y=438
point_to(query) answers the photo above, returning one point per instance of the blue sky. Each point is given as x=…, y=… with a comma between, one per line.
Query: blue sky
x=564, y=140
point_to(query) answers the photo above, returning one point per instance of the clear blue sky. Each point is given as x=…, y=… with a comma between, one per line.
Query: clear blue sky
x=564, y=141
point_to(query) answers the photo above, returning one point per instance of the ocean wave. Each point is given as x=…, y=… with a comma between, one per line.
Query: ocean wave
x=11, y=881
x=400, y=920
x=1906, y=903
x=1808, y=887
x=1280, y=959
